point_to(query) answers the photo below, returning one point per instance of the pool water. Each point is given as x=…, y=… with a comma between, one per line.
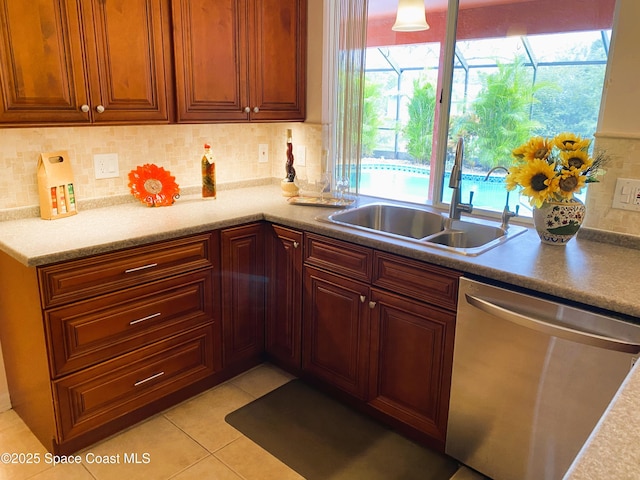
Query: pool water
x=411, y=183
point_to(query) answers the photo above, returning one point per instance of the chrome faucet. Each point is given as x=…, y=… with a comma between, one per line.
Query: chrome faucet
x=456, y=206
x=506, y=213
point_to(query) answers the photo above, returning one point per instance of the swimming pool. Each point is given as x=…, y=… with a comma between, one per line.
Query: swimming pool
x=410, y=183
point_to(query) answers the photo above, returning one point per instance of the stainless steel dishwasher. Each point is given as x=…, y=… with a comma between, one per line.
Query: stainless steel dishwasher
x=531, y=378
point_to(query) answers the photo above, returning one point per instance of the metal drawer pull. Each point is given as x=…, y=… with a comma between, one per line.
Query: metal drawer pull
x=148, y=317
x=152, y=377
x=131, y=270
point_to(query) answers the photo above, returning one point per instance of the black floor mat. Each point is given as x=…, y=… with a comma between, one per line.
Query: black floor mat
x=322, y=439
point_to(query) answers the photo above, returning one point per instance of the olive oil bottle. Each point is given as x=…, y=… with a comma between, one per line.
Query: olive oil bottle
x=208, y=173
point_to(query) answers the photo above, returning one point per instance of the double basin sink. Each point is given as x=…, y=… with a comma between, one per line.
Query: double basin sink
x=471, y=237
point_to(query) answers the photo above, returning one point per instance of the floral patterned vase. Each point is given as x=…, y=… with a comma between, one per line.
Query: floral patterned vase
x=558, y=222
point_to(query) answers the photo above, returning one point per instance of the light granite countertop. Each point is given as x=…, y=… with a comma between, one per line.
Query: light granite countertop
x=594, y=273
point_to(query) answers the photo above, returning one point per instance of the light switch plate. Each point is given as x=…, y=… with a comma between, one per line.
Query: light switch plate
x=627, y=194
x=106, y=165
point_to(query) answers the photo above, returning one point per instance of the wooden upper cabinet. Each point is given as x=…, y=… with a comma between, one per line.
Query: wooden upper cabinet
x=69, y=62
x=278, y=32
x=210, y=45
x=129, y=60
x=239, y=60
x=42, y=71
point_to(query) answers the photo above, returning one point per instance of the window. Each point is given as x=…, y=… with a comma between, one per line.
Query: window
x=511, y=69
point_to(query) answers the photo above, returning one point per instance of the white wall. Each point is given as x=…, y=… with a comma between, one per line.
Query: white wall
x=619, y=124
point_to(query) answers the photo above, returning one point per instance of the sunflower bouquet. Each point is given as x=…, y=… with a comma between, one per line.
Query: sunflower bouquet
x=553, y=169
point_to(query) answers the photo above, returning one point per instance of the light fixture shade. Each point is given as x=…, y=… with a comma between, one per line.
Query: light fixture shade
x=411, y=16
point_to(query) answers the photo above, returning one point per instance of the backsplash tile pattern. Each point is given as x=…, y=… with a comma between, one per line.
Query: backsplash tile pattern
x=623, y=163
x=177, y=148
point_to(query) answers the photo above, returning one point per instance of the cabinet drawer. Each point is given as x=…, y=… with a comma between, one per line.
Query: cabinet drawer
x=86, y=333
x=98, y=395
x=337, y=256
x=429, y=283
x=88, y=277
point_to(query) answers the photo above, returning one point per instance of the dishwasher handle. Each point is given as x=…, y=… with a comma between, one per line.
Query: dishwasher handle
x=560, y=331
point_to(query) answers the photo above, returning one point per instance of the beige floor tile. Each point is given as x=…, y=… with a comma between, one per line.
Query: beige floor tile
x=254, y=463
x=262, y=379
x=202, y=417
x=161, y=450
x=65, y=472
x=209, y=468
x=17, y=439
x=9, y=418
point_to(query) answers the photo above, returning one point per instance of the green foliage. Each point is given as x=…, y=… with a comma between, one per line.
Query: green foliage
x=419, y=129
x=574, y=105
x=372, y=112
x=499, y=117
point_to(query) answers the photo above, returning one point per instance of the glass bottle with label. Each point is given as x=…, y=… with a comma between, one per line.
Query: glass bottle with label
x=208, y=173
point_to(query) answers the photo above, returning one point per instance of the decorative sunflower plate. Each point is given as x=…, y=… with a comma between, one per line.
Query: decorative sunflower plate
x=154, y=186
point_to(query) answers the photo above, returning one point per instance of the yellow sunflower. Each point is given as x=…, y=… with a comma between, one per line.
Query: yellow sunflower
x=576, y=159
x=536, y=178
x=569, y=141
x=536, y=147
x=512, y=179
x=568, y=182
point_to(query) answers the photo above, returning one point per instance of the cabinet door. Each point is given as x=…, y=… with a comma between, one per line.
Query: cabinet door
x=42, y=72
x=129, y=59
x=411, y=361
x=284, y=297
x=336, y=330
x=211, y=55
x=277, y=76
x=243, y=293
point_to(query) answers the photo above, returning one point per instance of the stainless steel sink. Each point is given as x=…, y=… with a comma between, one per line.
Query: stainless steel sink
x=461, y=234
x=391, y=219
x=471, y=237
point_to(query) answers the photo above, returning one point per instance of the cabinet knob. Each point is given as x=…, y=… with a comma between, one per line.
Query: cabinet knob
x=362, y=298
x=85, y=108
x=256, y=109
x=247, y=110
x=372, y=304
x=100, y=109
x=296, y=244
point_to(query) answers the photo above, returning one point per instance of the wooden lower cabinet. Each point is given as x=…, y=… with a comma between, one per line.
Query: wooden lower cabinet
x=94, y=345
x=283, y=316
x=336, y=330
x=380, y=327
x=243, y=295
x=96, y=396
x=410, y=360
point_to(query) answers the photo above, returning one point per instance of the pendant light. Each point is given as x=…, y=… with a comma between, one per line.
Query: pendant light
x=411, y=16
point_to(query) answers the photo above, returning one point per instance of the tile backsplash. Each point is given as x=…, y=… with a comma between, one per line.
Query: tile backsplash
x=177, y=148
x=623, y=153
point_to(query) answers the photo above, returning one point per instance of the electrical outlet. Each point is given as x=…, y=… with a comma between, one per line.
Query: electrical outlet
x=263, y=153
x=627, y=194
x=106, y=165
x=300, y=157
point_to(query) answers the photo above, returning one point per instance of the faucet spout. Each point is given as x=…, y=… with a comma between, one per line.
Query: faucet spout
x=499, y=167
x=456, y=171
x=456, y=207
x=506, y=213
